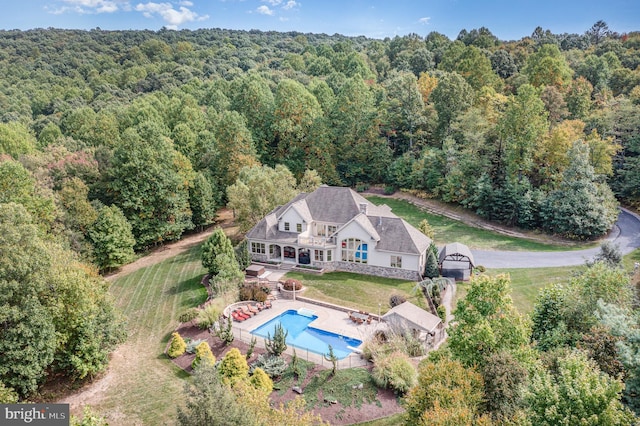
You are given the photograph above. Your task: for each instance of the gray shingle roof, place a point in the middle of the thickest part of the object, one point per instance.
(333, 204)
(414, 315)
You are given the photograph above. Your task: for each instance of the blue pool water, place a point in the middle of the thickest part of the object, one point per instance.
(305, 337)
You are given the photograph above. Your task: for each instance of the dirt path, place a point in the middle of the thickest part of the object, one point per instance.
(224, 219)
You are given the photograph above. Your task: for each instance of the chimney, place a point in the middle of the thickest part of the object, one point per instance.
(363, 208)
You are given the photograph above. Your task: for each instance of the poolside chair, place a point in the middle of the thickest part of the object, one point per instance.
(253, 309)
(237, 317)
(245, 310)
(267, 304)
(241, 314)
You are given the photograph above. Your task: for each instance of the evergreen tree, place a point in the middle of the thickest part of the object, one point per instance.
(216, 245)
(112, 238)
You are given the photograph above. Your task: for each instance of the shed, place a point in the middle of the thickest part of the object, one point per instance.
(427, 326)
(456, 261)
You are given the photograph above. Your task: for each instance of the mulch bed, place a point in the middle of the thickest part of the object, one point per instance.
(334, 414)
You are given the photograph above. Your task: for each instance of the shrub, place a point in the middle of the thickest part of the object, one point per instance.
(207, 316)
(361, 187)
(204, 356)
(189, 315)
(394, 371)
(292, 284)
(7, 395)
(388, 190)
(278, 344)
(254, 291)
(224, 330)
(274, 366)
(396, 299)
(252, 346)
(260, 380)
(233, 367)
(177, 347)
(192, 345)
(442, 312)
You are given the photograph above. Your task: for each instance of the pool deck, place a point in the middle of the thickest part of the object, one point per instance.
(328, 319)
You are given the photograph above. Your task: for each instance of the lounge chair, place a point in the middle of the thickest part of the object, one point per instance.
(237, 317)
(242, 314)
(245, 310)
(267, 304)
(253, 309)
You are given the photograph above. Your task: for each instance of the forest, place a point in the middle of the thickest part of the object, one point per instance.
(113, 142)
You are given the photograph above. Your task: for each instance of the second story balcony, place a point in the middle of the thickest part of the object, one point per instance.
(310, 241)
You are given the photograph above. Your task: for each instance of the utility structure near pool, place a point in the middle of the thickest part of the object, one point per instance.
(336, 229)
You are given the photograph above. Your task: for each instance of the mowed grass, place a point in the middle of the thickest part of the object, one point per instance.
(449, 231)
(525, 283)
(362, 292)
(145, 385)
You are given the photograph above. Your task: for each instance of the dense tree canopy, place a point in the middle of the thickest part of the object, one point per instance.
(163, 127)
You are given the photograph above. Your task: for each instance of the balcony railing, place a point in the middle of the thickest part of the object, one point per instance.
(317, 241)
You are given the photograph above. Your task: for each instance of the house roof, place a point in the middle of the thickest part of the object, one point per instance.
(340, 205)
(414, 316)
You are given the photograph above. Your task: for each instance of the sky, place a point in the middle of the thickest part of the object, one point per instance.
(507, 19)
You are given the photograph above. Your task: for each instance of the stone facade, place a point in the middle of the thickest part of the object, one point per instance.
(379, 271)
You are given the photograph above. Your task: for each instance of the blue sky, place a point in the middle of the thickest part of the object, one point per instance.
(507, 19)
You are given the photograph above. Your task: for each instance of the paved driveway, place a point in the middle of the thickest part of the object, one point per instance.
(625, 234)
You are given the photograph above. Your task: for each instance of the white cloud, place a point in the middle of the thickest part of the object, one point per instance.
(91, 6)
(424, 20)
(264, 10)
(273, 2)
(171, 16)
(290, 5)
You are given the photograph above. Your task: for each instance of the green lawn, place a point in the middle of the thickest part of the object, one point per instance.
(362, 292)
(526, 283)
(145, 385)
(449, 230)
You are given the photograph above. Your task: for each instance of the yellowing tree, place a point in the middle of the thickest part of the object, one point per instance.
(426, 84)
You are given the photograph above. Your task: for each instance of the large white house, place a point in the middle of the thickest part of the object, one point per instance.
(335, 228)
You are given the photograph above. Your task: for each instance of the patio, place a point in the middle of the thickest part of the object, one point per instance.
(333, 320)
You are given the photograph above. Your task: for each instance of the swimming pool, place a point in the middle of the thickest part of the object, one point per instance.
(304, 337)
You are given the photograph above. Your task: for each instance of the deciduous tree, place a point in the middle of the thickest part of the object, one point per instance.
(257, 191)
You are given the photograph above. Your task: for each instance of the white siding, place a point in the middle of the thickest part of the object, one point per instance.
(374, 257)
(293, 218)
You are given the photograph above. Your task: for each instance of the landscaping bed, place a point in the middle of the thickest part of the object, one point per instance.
(353, 405)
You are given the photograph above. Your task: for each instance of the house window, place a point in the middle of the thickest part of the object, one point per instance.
(329, 255)
(286, 226)
(298, 227)
(331, 229)
(396, 261)
(354, 250)
(318, 255)
(257, 248)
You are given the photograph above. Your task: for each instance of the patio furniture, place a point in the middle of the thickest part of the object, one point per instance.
(358, 317)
